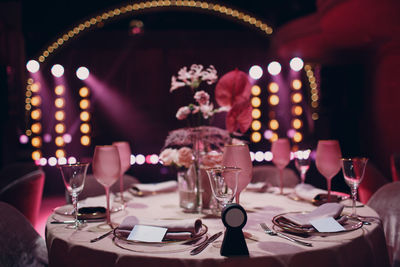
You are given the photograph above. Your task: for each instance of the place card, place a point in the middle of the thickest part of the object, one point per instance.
(327, 225)
(146, 233)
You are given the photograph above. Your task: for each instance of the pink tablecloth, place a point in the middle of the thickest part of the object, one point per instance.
(363, 247)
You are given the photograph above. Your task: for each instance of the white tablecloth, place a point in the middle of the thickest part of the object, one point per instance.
(363, 247)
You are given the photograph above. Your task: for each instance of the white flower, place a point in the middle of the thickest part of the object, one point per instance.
(175, 84)
(182, 113)
(209, 75)
(207, 110)
(169, 156)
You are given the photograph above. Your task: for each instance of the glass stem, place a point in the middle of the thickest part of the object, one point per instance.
(108, 205)
(329, 189)
(74, 198)
(354, 197)
(281, 180)
(121, 187)
(303, 177)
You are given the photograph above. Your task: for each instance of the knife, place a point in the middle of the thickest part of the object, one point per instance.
(101, 237)
(200, 248)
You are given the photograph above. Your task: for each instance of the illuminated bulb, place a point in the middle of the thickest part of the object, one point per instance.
(273, 124)
(268, 134)
(274, 137)
(59, 102)
(273, 87)
(71, 160)
(298, 137)
(296, 123)
(85, 128)
(35, 87)
(36, 155)
(47, 138)
(154, 159)
(62, 160)
(60, 153)
(296, 98)
(255, 90)
(259, 156)
(36, 141)
(57, 70)
(67, 138)
(82, 73)
(84, 92)
(36, 127)
(85, 140)
(23, 139)
(140, 159)
(59, 90)
(36, 114)
(256, 113)
(32, 66)
(43, 162)
(256, 125)
(296, 64)
(268, 156)
(133, 159)
(296, 84)
(274, 100)
(59, 141)
(256, 72)
(52, 161)
(60, 128)
(297, 110)
(256, 137)
(84, 104)
(290, 133)
(84, 116)
(255, 102)
(59, 115)
(274, 68)
(36, 101)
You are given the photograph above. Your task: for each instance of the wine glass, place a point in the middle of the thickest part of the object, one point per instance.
(106, 170)
(302, 161)
(327, 160)
(74, 179)
(353, 172)
(281, 157)
(124, 151)
(224, 183)
(238, 155)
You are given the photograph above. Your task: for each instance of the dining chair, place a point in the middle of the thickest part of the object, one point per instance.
(373, 180)
(270, 175)
(21, 185)
(385, 202)
(395, 166)
(20, 244)
(93, 188)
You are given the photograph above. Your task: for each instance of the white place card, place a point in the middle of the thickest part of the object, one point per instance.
(327, 225)
(146, 233)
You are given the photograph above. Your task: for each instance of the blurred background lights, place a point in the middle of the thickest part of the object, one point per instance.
(36, 155)
(82, 73)
(47, 138)
(154, 159)
(62, 161)
(71, 160)
(43, 162)
(59, 141)
(60, 153)
(59, 90)
(60, 128)
(290, 133)
(256, 72)
(256, 102)
(35, 87)
(273, 124)
(259, 156)
(59, 102)
(84, 116)
(255, 90)
(273, 87)
(268, 134)
(36, 127)
(296, 64)
(36, 114)
(297, 137)
(36, 141)
(23, 139)
(274, 68)
(140, 159)
(296, 84)
(85, 128)
(256, 125)
(297, 97)
(297, 110)
(84, 104)
(268, 156)
(256, 137)
(84, 92)
(256, 113)
(59, 115)
(67, 138)
(273, 100)
(85, 140)
(32, 66)
(133, 159)
(57, 70)
(36, 101)
(52, 161)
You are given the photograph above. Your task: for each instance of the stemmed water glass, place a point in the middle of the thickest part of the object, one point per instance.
(327, 160)
(238, 155)
(302, 161)
(124, 151)
(106, 169)
(281, 157)
(74, 180)
(353, 172)
(224, 183)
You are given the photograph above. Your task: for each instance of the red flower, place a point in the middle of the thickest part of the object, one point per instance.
(239, 117)
(232, 88)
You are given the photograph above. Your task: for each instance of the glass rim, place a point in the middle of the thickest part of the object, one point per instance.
(353, 158)
(73, 164)
(235, 145)
(229, 168)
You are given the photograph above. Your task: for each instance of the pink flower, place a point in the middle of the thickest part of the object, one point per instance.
(182, 113)
(202, 97)
(239, 117)
(234, 87)
(185, 157)
(207, 110)
(212, 159)
(169, 156)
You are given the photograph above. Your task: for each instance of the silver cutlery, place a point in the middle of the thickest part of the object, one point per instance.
(200, 248)
(101, 237)
(272, 233)
(66, 222)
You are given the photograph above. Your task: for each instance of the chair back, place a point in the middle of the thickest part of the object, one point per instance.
(20, 244)
(385, 202)
(21, 185)
(395, 166)
(373, 180)
(270, 175)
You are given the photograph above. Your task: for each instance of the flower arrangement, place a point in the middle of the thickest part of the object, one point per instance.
(199, 141)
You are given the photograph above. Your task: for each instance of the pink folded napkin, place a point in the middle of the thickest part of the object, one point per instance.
(150, 189)
(308, 192)
(177, 230)
(325, 210)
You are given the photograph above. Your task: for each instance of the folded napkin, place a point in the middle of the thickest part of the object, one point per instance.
(257, 187)
(308, 192)
(177, 230)
(325, 210)
(149, 189)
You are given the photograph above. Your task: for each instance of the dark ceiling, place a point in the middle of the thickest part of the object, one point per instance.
(43, 21)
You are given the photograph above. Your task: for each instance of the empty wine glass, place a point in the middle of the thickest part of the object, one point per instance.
(124, 151)
(302, 161)
(224, 183)
(281, 157)
(238, 155)
(106, 170)
(327, 160)
(353, 172)
(74, 179)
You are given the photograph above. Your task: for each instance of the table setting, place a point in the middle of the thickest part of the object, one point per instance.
(207, 216)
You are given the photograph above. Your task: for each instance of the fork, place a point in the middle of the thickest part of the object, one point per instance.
(267, 230)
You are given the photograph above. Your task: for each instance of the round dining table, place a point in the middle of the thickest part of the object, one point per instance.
(364, 246)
